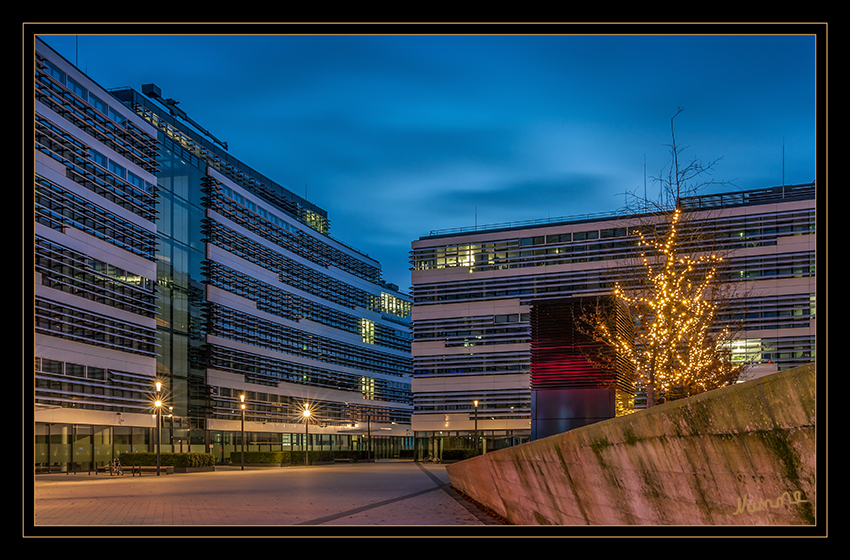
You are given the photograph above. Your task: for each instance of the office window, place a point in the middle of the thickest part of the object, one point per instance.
(584, 235)
(99, 104)
(99, 158)
(116, 116)
(117, 169)
(537, 240)
(136, 180)
(559, 238)
(75, 370)
(367, 331)
(395, 306)
(79, 90)
(54, 71)
(367, 387)
(613, 232)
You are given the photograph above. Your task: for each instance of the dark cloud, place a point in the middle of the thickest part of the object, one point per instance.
(398, 135)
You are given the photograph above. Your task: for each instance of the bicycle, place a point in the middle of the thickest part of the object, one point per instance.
(116, 468)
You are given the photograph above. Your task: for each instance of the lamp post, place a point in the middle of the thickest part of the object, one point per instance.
(242, 399)
(158, 405)
(369, 433)
(475, 406)
(306, 415)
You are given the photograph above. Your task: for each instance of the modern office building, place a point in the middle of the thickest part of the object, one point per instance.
(478, 292)
(95, 252)
(217, 281)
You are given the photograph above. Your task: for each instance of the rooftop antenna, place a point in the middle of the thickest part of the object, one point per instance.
(783, 161)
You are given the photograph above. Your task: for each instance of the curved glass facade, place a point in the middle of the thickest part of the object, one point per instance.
(205, 276)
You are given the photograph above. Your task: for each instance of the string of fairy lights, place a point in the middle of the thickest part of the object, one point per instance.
(674, 348)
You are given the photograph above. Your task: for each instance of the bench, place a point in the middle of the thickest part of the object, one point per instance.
(133, 469)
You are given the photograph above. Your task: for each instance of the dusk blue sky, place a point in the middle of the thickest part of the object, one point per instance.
(396, 136)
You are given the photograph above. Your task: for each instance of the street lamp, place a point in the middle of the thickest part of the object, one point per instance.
(158, 405)
(306, 415)
(369, 433)
(242, 398)
(475, 405)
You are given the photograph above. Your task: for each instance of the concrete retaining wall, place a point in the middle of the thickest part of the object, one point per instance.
(741, 455)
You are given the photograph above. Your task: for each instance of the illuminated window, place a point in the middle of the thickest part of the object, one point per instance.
(367, 387)
(394, 306)
(745, 351)
(367, 331)
(315, 221)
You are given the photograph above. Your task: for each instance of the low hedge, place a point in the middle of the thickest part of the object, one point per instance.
(293, 457)
(267, 457)
(357, 455)
(179, 460)
(457, 454)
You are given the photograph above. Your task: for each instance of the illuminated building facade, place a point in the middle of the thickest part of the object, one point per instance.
(476, 292)
(236, 288)
(95, 240)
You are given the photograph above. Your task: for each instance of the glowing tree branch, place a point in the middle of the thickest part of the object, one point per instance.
(675, 351)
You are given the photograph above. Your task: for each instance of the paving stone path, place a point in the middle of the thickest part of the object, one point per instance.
(403, 494)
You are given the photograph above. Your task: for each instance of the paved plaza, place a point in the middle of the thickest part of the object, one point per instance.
(404, 494)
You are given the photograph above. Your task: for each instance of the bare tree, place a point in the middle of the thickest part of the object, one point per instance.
(676, 180)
